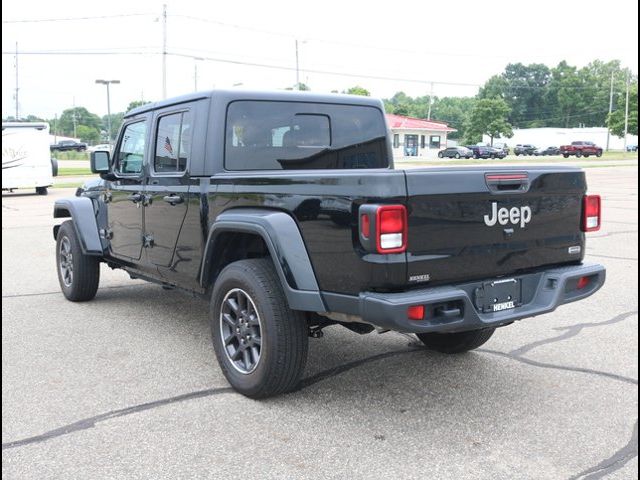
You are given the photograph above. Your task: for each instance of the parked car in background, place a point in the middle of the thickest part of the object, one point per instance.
(632, 148)
(68, 145)
(547, 151)
(524, 149)
(497, 152)
(480, 151)
(455, 152)
(102, 147)
(502, 146)
(581, 149)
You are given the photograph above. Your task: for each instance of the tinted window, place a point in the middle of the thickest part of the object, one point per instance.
(295, 135)
(132, 148)
(173, 143)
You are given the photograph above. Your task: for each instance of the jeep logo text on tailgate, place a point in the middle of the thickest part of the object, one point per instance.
(514, 215)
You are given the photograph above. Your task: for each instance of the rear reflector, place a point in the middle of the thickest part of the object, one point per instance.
(582, 283)
(415, 312)
(591, 213)
(365, 226)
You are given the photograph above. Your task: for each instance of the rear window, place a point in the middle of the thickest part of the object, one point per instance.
(263, 135)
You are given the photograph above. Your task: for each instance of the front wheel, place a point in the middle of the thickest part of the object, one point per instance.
(261, 344)
(599, 153)
(459, 342)
(78, 274)
(440, 155)
(565, 155)
(578, 154)
(457, 156)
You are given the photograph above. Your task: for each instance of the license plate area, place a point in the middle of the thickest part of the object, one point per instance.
(499, 295)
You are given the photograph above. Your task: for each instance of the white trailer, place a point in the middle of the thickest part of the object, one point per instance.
(26, 157)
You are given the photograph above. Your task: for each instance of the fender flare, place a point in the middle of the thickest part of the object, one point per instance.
(80, 209)
(286, 246)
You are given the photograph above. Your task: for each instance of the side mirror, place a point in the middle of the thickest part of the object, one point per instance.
(100, 162)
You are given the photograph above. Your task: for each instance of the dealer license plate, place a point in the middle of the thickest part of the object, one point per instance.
(499, 295)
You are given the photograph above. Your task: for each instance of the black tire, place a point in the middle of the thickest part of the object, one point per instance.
(82, 284)
(54, 167)
(42, 190)
(459, 342)
(599, 153)
(440, 155)
(282, 352)
(578, 154)
(457, 155)
(565, 155)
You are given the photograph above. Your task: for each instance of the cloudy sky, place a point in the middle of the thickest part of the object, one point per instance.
(384, 47)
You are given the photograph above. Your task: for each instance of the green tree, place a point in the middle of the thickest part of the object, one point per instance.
(454, 111)
(616, 119)
(82, 117)
(488, 117)
(358, 90)
(116, 121)
(136, 104)
(87, 134)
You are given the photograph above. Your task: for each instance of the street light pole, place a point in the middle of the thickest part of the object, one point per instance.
(610, 110)
(107, 83)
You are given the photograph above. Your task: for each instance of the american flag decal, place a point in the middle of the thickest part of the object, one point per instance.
(167, 145)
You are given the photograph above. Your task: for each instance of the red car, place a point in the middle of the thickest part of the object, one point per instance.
(580, 149)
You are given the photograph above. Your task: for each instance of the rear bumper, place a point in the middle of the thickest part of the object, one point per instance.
(542, 292)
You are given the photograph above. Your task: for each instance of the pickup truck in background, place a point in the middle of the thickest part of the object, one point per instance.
(68, 145)
(284, 209)
(580, 149)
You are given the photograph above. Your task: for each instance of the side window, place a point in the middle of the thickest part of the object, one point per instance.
(132, 148)
(173, 143)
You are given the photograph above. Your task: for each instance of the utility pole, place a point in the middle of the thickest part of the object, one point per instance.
(74, 118)
(297, 68)
(610, 110)
(17, 89)
(164, 51)
(430, 102)
(626, 116)
(55, 129)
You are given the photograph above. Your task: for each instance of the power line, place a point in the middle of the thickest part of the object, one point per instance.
(71, 19)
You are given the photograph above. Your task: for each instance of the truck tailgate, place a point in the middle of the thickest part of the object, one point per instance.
(481, 222)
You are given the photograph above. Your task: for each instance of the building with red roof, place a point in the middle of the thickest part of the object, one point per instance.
(417, 137)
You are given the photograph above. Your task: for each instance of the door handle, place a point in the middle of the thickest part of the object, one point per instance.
(135, 197)
(173, 199)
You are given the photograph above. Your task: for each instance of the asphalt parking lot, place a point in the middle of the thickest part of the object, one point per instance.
(127, 386)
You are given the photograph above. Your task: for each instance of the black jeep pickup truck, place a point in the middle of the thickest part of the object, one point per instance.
(284, 209)
(68, 145)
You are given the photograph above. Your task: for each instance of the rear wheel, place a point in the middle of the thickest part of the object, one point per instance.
(599, 153)
(459, 342)
(440, 155)
(42, 190)
(578, 154)
(565, 155)
(261, 344)
(78, 274)
(457, 155)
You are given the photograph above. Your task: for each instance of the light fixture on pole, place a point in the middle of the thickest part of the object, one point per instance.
(107, 83)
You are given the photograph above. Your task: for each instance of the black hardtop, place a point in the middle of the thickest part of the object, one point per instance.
(228, 96)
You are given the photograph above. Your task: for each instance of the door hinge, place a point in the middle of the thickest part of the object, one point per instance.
(147, 241)
(106, 233)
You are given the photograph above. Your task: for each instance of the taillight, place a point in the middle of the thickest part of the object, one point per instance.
(415, 312)
(383, 228)
(391, 229)
(591, 213)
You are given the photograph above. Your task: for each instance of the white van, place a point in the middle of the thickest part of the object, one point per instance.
(26, 157)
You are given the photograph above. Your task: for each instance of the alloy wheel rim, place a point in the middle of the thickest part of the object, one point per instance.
(241, 331)
(66, 261)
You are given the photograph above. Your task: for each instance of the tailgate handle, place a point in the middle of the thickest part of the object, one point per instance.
(507, 182)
